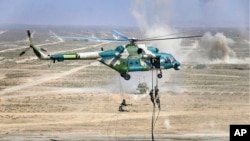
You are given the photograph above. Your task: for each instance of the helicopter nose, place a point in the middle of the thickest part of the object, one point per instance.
(177, 65)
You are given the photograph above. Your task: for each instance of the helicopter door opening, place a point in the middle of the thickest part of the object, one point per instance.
(157, 63)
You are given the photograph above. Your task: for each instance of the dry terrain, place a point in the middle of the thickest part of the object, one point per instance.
(79, 100)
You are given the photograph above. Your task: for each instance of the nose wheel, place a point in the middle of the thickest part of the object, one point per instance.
(160, 74)
(125, 76)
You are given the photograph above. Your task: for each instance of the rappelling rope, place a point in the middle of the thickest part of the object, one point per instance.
(153, 102)
(115, 115)
(155, 99)
(159, 109)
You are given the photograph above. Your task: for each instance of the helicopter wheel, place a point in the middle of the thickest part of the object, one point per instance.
(125, 76)
(159, 75)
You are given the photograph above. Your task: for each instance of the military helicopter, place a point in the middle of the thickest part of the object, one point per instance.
(123, 59)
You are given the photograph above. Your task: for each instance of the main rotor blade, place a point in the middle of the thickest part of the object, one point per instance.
(30, 44)
(171, 34)
(169, 38)
(120, 38)
(89, 39)
(120, 35)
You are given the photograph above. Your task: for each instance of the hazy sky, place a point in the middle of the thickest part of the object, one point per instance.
(125, 12)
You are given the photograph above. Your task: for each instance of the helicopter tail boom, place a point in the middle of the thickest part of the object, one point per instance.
(59, 57)
(75, 56)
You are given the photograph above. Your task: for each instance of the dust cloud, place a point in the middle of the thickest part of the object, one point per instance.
(217, 47)
(118, 84)
(214, 49)
(167, 123)
(171, 81)
(155, 21)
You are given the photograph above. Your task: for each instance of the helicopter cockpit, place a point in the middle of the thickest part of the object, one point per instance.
(168, 59)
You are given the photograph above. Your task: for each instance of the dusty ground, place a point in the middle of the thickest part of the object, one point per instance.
(79, 101)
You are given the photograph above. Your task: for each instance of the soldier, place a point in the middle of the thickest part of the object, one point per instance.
(122, 104)
(152, 96)
(157, 97)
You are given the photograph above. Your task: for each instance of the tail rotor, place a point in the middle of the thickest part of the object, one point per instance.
(30, 44)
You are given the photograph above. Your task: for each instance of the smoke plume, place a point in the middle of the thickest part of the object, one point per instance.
(217, 47)
(155, 18)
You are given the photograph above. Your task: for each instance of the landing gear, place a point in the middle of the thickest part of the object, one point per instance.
(156, 63)
(160, 74)
(125, 76)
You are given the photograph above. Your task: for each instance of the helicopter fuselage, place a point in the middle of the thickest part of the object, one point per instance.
(123, 59)
(127, 58)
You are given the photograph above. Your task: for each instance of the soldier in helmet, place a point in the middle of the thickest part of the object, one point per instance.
(122, 105)
(151, 93)
(157, 97)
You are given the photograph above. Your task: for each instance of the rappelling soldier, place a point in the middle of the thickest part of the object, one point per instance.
(151, 93)
(157, 97)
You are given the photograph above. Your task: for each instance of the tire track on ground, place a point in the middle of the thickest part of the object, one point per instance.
(41, 80)
(44, 79)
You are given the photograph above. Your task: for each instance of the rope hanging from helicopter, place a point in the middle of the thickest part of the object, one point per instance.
(151, 93)
(116, 115)
(157, 100)
(154, 97)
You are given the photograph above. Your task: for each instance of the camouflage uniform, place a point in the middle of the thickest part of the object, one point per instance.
(152, 96)
(122, 104)
(157, 97)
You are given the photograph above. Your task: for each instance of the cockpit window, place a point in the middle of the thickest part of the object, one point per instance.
(169, 59)
(172, 59)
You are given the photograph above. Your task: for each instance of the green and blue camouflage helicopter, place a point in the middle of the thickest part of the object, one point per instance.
(124, 58)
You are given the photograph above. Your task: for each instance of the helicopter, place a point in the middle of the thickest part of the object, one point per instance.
(126, 58)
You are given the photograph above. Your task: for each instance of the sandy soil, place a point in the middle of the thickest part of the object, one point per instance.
(74, 101)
